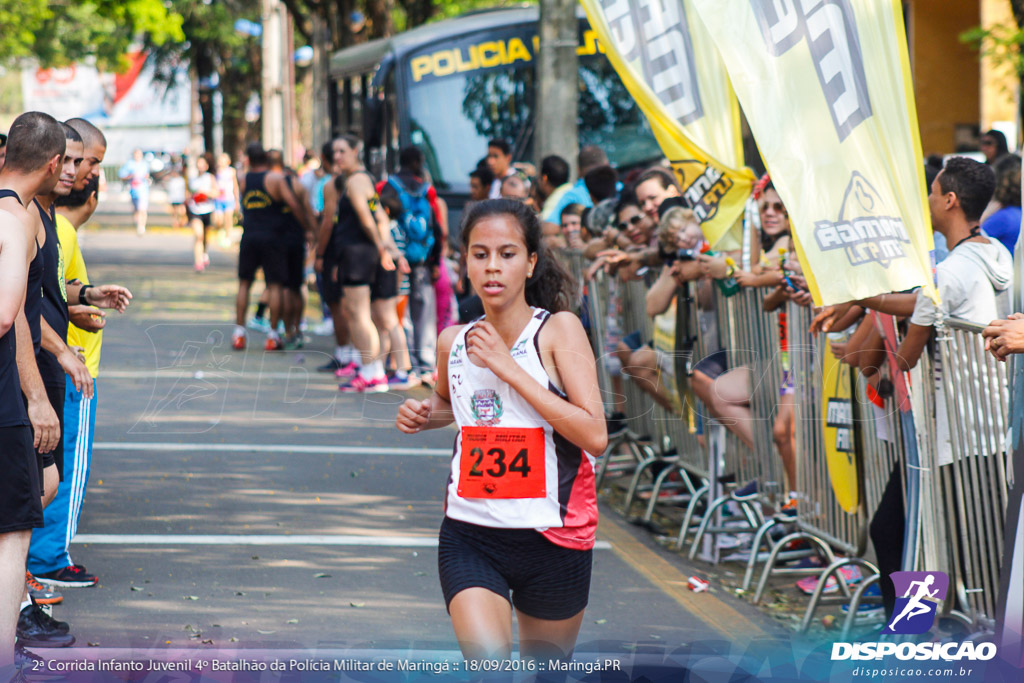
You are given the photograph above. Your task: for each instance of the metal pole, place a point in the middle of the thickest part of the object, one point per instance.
(272, 105)
(557, 81)
(320, 67)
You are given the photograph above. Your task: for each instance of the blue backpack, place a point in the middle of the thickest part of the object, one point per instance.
(415, 222)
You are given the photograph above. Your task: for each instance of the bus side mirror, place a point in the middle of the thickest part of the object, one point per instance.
(373, 122)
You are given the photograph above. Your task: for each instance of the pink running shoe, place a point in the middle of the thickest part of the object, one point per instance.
(347, 372)
(358, 385)
(850, 572)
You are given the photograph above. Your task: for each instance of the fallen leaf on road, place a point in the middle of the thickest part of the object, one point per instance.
(137, 588)
(208, 641)
(601, 621)
(191, 597)
(358, 604)
(292, 621)
(266, 633)
(97, 644)
(232, 639)
(321, 576)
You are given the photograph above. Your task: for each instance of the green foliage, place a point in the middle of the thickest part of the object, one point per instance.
(1000, 43)
(60, 33)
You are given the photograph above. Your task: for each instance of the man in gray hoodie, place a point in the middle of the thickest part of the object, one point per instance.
(975, 278)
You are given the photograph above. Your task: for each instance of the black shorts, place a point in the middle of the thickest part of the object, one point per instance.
(330, 282)
(713, 365)
(205, 218)
(546, 581)
(22, 483)
(296, 264)
(266, 251)
(384, 285)
(357, 264)
(55, 393)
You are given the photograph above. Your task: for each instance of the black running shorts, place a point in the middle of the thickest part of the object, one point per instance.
(357, 264)
(384, 285)
(546, 581)
(296, 263)
(21, 483)
(266, 251)
(55, 393)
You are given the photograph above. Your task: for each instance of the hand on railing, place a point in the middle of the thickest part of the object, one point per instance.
(1003, 337)
(827, 317)
(714, 267)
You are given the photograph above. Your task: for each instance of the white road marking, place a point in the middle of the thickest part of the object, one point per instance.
(257, 539)
(167, 446)
(190, 373)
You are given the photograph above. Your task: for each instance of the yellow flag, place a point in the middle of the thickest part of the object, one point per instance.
(671, 68)
(827, 91)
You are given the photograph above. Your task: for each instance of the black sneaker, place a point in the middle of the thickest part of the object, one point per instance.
(330, 366)
(74, 576)
(23, 659)
(36, 628)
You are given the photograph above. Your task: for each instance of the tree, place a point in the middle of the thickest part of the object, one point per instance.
(217, 54)
(1003, 45)
(57, 34)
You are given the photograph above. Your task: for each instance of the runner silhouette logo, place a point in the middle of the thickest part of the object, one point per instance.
(917, 596)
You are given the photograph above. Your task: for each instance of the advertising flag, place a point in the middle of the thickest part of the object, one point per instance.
(670, 66)
(826, 88)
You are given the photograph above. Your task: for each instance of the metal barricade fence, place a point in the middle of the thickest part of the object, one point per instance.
(751, 340)
(976, 474)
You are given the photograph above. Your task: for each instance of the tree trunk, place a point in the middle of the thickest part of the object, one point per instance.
(557, 82)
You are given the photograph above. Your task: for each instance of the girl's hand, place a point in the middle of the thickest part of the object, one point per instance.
(486, 349)
(412, 415)
(714, 267)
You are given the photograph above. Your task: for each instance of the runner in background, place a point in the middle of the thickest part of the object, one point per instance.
(136, 174)
(510, 539)
(202, 190)
(227, 199)
(175, 184)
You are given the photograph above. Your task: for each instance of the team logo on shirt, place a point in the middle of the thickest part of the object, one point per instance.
(486, 407)
(519, 349)
(453, 358)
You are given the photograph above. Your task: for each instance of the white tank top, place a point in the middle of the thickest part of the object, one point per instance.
(513, 451)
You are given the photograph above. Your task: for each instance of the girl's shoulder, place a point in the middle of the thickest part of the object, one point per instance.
(448, 336)
(562, 330)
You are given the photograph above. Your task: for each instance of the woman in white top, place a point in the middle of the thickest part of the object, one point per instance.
(227, 196)
(521, 505)
(202, 192)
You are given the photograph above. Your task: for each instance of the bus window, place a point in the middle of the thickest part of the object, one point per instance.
(608, 116)
(452, 118)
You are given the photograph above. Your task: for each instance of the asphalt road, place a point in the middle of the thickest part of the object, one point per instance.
(239, 501)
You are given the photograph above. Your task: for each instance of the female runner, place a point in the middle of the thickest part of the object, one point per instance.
(521, 506)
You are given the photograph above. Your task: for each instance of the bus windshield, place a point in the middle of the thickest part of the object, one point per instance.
(458, 101)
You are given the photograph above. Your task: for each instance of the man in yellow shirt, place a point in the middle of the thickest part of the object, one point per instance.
(50, 545)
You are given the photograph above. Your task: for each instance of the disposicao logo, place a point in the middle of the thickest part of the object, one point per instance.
(914, 612)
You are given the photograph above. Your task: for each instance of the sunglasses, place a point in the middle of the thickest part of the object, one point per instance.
(635, 220)
(778, 207)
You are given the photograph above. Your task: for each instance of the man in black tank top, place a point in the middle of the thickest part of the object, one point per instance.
(35, 153)
(294, 237)
(265, 196)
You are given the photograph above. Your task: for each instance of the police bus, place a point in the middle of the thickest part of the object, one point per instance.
(450, 86)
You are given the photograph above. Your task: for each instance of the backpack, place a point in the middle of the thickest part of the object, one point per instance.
(415, 223)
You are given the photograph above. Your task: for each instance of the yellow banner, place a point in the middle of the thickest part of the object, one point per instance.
(671, 68)
(827, 91)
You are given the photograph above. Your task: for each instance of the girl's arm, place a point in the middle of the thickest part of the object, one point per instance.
(659, 296)
(580, 419)
(415, 416)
